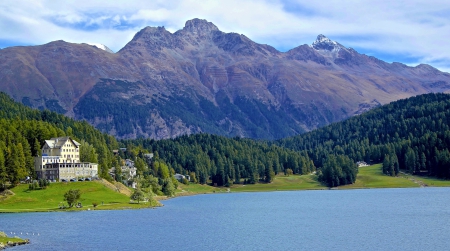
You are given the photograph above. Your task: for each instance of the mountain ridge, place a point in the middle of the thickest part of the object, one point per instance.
(200, 79)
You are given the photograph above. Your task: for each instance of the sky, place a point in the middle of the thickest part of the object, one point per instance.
(411, 32)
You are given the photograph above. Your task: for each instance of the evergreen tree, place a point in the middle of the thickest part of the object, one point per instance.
(269, 174)
(3, 173)
(396, 164)
(410, 160)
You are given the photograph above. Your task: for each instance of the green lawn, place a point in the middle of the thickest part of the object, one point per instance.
(280, 183)
(372, 177)
(51, 198)
(283, 183)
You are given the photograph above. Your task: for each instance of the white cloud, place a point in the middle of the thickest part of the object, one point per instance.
(411, 29)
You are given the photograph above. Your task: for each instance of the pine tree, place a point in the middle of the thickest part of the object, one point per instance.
(394, 159)
(269, 174)
(386, 164)
(3, 173)
(410, 160)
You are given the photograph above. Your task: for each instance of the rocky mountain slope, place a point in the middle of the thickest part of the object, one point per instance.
(199, 79)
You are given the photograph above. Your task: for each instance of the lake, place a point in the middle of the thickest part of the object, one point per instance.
(366, 219)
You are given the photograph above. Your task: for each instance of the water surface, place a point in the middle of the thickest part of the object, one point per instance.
(368, 219)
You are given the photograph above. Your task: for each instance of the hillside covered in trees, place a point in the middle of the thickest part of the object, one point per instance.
(411, 135)
(204, 157)
(226, 161)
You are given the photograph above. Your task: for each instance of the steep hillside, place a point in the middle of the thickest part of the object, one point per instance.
(200, 79)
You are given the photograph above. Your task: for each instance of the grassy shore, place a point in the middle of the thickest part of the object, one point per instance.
(110, 197)
(373, 177)
(52, 198)
(368, 177)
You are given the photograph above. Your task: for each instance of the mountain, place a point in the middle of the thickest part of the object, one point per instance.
(200, 79)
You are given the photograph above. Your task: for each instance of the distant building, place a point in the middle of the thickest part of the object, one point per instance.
(127, 172)
(60, 159)
(129, 163)
(180, 177)
(361, 163)
(148, 155)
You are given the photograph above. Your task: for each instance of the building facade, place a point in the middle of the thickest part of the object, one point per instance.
(60, 160)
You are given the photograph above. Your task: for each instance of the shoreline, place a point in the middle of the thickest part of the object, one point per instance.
(187, 194)
(368, 178)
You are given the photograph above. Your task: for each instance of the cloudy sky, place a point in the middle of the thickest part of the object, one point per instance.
(411, 32)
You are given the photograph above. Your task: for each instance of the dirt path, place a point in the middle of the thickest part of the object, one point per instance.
(419, 182)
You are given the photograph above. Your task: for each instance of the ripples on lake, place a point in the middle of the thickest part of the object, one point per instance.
(371, 219)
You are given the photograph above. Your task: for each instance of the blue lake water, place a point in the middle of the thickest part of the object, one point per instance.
(367, 219)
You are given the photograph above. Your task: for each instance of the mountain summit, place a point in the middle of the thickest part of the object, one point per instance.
(324, 43)
(200, 79)
(199, 26)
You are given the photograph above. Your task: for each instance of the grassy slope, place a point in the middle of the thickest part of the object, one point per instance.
(49, 199)
(281, 182)
(372, 177)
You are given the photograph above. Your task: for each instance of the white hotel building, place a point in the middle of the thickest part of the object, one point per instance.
(60, 159)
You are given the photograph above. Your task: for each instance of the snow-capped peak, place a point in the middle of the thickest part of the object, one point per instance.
(101, 46)
(324, 43)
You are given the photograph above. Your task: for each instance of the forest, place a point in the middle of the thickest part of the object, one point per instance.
(410, 135)
(225, 161)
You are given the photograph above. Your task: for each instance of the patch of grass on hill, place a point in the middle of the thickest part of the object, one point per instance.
(280, 183)
(50, 199)
(373, 177)
(283, 183)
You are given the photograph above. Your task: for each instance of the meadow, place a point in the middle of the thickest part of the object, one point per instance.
(52, 198)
